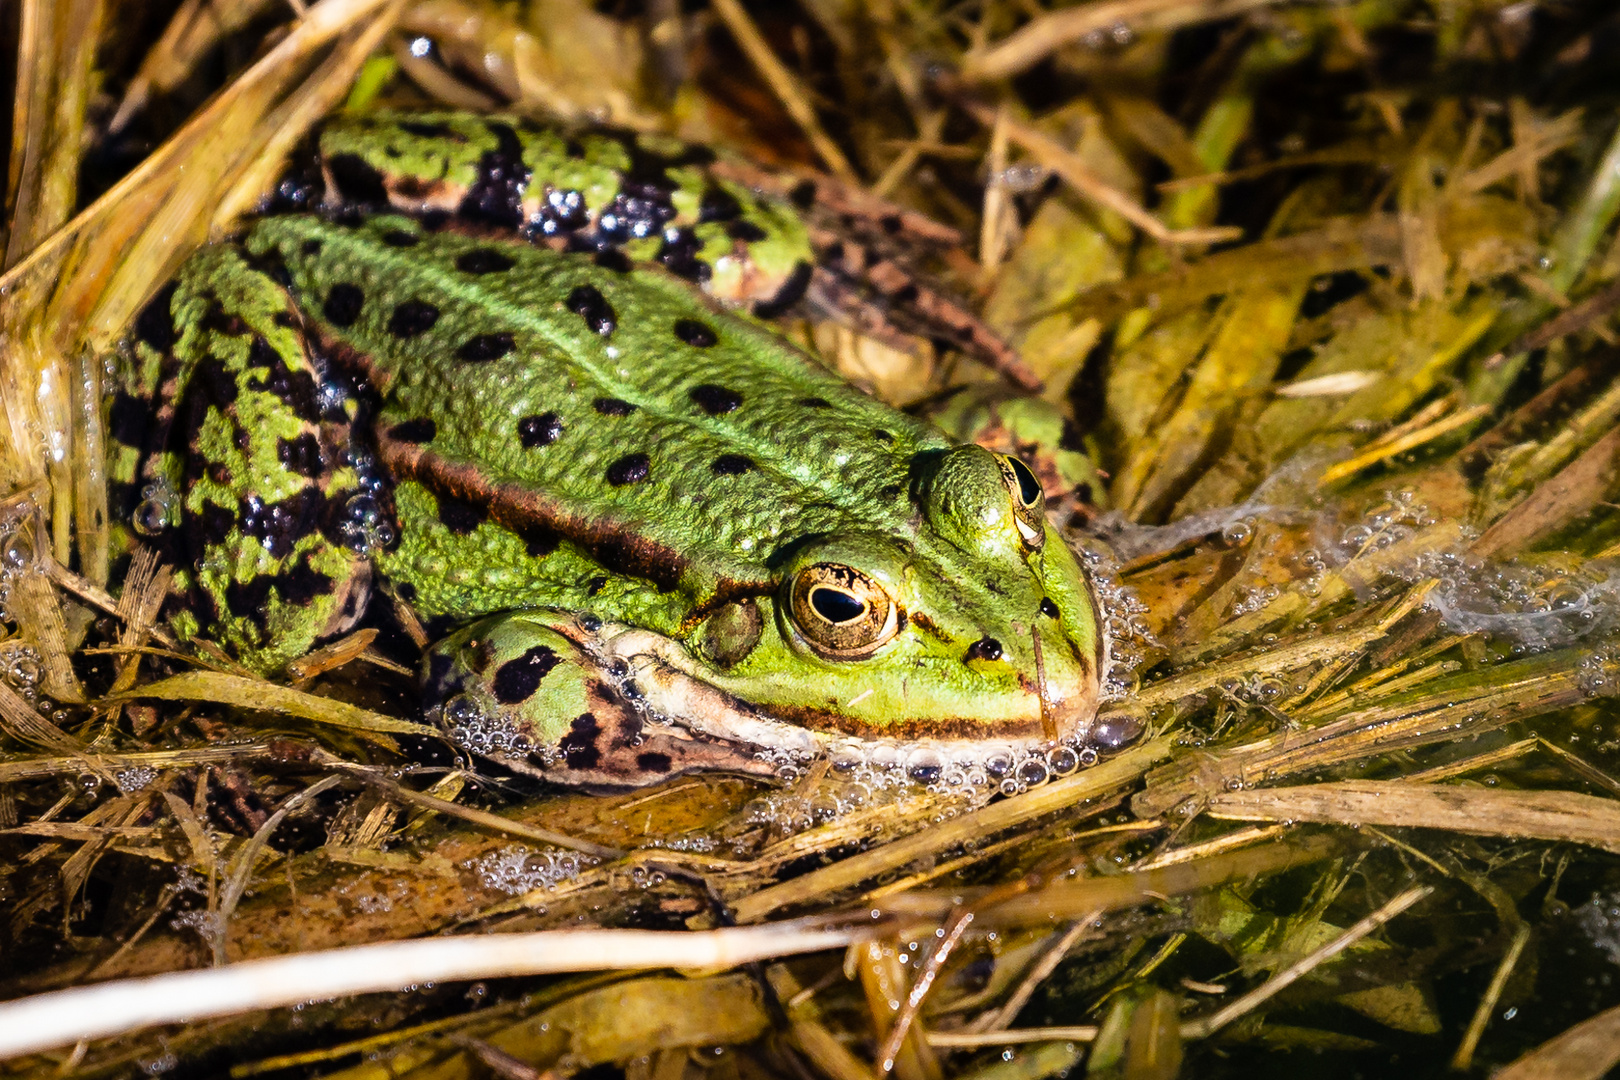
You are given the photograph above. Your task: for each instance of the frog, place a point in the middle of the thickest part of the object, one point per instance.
(650, 535)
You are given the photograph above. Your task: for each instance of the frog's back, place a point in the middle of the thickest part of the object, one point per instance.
(579, 402)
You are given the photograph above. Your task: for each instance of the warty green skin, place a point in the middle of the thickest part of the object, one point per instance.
(614, 504)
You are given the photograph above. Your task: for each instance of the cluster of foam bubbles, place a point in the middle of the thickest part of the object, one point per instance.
(1399, 516)
(1598, 674)
(16, 557)
(1599, 920)
(21, 669)
(200, 920)
(366, 527)
(1127, 635)
(134, 778)
(476, 731)
(518, 869)
(1534, 607)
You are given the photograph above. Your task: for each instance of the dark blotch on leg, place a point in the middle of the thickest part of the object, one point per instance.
(343, 304)
(541, 430)
(579, 745)
(486, 347)
(415, 431)
(413, 318)
(155, 325)
(517, 680)
(483, 261)
(127, 418)
(696, 334)
(301, 455)
(356, 181)
(791, 292)
(399, 238)
(651, 761)
(732, 465)
(630, 469)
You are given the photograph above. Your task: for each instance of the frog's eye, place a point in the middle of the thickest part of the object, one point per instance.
(842, 613)
(1029, 501)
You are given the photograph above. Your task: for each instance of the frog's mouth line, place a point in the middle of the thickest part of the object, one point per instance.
(668, 690)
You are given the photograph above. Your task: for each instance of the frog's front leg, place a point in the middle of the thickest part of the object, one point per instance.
(252, 488)
(523, 688)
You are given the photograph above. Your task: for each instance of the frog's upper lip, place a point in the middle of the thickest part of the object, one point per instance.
(1070, 707)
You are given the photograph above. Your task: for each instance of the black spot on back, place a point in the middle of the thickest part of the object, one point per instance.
(412, 318)
(732, 465)
(517, 680)
(484, 261)
(399, 238)
(486, 347)
(630, 469)
(612, 406)
(343, 303)
(815, 403)
(425, 130)
(415, 431)
(613, 259)
(458, 515)
(541, 430)
(696, 334)
(588, 303)
(310, 247)
(714, 399)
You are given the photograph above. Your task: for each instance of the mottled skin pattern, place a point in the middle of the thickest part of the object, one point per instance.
(638, 505)
(650, 199)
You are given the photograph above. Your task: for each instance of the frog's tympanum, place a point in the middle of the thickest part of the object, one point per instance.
(496, 377)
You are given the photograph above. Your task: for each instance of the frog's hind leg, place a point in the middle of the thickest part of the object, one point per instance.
(247, 484)
(524, 689)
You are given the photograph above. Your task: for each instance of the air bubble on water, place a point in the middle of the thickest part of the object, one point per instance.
(470, 728)
(134, 778)
(21, 666)
(156, 508)
(517, 869)
(365, 527)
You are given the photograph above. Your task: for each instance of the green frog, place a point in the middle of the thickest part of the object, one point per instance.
(521, 383)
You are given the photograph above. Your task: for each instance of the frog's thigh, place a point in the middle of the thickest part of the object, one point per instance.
(513, 688)
(261, 464)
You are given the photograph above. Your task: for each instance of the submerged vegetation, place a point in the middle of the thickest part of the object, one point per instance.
(1326, 291)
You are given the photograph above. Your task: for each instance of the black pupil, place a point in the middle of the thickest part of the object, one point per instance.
(1029, 488)
(835, 605)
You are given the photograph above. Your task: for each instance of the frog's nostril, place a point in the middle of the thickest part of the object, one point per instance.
(1049, 609)
(986, 648)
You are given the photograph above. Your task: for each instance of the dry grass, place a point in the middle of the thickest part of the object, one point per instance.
(1328, 290)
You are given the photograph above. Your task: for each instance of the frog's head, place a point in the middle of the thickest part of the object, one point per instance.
(971, 624)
